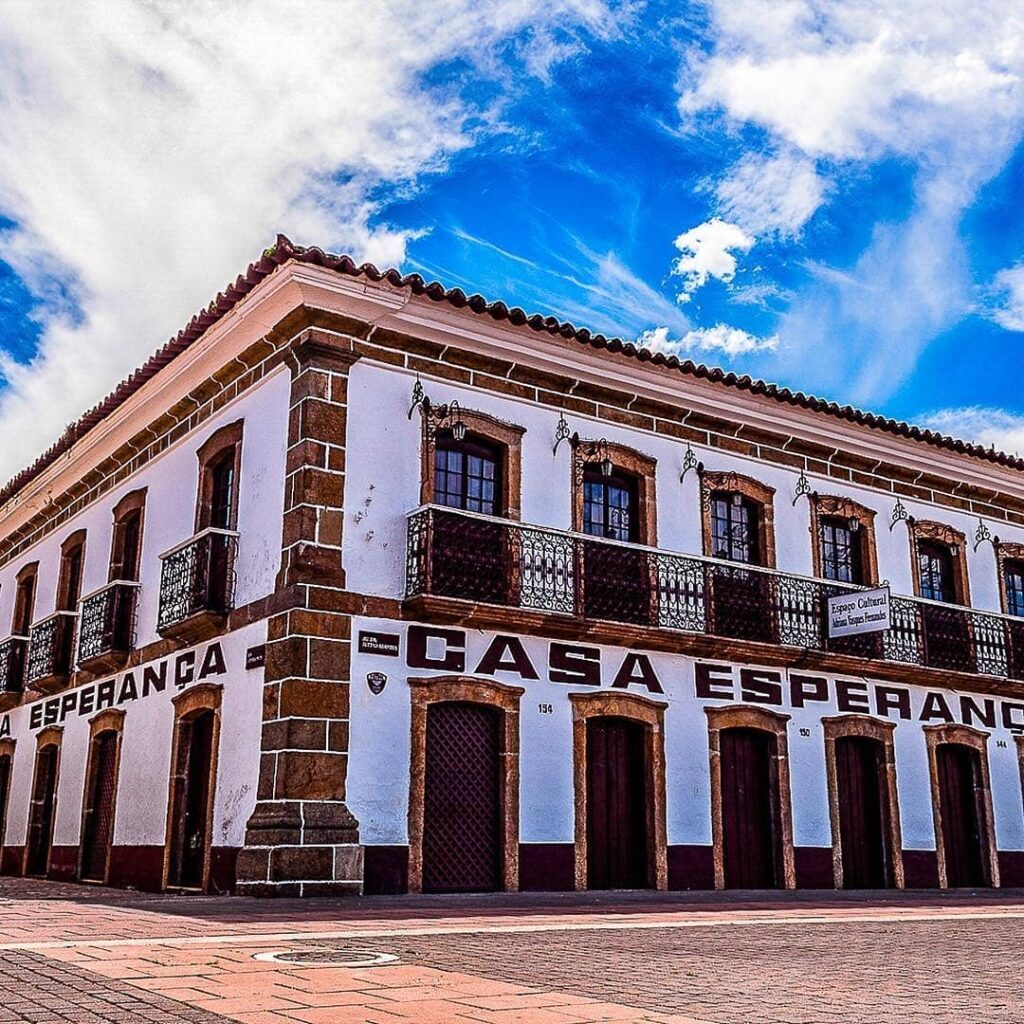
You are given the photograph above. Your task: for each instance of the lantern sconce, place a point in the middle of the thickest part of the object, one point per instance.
(586, 452)
(982, 534)
(899, 514)
(437, 418)
(803, 488)
(562, 432)
(690, 461)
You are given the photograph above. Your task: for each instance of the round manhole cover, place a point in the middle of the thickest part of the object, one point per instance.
(335, 956)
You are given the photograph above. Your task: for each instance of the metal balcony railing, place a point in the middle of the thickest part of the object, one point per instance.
(107, 621)
(496, 561)
(197, 577)
(13, 657)
(51, 647)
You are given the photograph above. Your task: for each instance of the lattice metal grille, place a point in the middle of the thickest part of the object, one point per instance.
(12, 665)
(453, 554)
(461, 807)
(197, 577)
(49, 652)
(107, 621)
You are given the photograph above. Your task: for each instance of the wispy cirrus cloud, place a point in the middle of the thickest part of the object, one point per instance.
(148, 152)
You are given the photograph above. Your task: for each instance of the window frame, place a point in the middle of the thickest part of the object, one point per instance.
(627, 462)
(222, 444)
(926, 531)
(833, 506)
(761, 494)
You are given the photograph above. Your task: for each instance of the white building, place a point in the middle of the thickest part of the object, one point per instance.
(361, 584)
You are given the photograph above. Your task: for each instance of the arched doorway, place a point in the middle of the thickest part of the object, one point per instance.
(619, 788)
(964, 842)
(867, 846)
(462, 848)
(962, 806)
(750, 810)
(43, 810)
(192, 789)
(863, 813)
(617, 805)
(751, 814)
(98, 812)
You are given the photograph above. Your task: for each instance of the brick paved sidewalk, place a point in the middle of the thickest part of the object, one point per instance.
(916, 958)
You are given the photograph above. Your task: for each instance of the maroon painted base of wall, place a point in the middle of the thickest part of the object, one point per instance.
(385, 870)
(920, 869)
(691, 867)
(222, 869)
(813, 867)
(63, 863)
(547, 867)
(1011, 869)
(136, 867)
(12, 860)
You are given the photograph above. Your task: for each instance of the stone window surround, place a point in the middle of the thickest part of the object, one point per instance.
(190, 702)
(650, 714)
(110, 720)
(864, 726)
(70, 543)
(52, 736)
(739, 716)
(926, 529)
(424, 692)
(966, 736)
(220, 441)
(1006, 552)
(131, 502)
(637, 465)
(827, 506)
(507, 436)
(755, 491)
(25, 573)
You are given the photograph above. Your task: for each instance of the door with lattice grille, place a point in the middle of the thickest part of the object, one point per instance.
(98, 824)
(41, 813)
(462, 799)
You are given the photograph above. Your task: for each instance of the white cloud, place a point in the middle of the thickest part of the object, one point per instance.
(1008, 294)
(730, 341)
(938, 85)
(989, 427)
(773, 193)
(149, 151)
(707, 252)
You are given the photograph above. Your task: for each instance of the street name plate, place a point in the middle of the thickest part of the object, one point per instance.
(862, 611)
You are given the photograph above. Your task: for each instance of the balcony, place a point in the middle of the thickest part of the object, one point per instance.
(50, 652)
(197, 585)
(563, 578)
(13, 656)
(106, 633)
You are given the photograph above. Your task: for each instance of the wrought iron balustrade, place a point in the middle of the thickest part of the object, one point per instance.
(51, 647)
(107, 621)
(13, 658)
(495, 561)
(197, 577)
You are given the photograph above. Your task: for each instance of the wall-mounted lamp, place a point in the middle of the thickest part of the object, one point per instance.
(899, 514)
(437, 418)
(588, 452)
(853, 524)
(562, 432)
(982, 534)
(803, 488)
(690, 461)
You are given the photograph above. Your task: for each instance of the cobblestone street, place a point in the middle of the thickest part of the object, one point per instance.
(70, 953)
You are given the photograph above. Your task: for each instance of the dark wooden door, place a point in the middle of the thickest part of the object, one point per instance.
(462, 812)
(190, 815)
(617, 802)
(964, 839)
(750, 811)
(5, 790)
(41, 812)
(98, 820)
(863, 812)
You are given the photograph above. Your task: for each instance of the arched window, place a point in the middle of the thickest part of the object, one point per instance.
(735, 527)
(69, 583)
(468, 474)
(24, 600)
(218, 479)
(610, 504)
(843, 536)
(126, 544)
(841, 550)
(935, 566)
(1013, 572)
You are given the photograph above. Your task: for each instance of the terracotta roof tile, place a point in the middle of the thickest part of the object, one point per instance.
(283, 250)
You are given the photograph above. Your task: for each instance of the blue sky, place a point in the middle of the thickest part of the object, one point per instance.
(826, 195)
